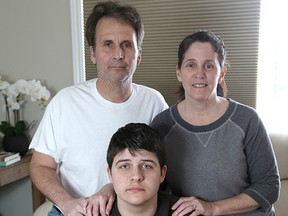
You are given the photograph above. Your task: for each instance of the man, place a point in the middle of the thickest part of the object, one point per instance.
(136, 168)
(71, 141)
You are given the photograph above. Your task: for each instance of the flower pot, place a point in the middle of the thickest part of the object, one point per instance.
(16, 144)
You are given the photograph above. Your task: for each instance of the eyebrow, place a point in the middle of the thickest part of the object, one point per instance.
(111, 40)
(127, 160)
(121, 161)
(192, 59)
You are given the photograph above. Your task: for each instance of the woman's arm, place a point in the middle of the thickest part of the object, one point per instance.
(238, 204)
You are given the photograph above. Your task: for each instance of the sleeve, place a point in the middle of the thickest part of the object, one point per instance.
(262, 165)
(44, 139)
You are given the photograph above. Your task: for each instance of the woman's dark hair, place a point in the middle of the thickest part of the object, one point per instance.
(136, 137)
(113, 9)
(202, 36)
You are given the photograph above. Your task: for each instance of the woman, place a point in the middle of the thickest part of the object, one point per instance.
(219, 156)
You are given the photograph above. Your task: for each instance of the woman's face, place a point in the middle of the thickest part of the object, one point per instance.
(200, 72)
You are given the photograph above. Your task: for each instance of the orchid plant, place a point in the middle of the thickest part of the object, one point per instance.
(14, 96)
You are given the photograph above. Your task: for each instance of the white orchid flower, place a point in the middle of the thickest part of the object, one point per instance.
(4, 85)
(14, 94)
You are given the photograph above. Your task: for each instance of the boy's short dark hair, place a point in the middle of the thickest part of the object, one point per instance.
(113, 9)
(136, 137)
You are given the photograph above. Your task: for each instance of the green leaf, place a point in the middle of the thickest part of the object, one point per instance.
(6, 129)
(20, 128)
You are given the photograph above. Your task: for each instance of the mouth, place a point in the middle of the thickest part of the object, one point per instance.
(135, 189)
(199, 85)
(117, 67)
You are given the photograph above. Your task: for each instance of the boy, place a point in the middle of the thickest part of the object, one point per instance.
(136, 168)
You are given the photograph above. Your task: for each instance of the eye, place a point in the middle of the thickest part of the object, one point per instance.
(108, 43)
(191, 65)
(124, 166)
(126, 45)
(208, 66)
(147, 166)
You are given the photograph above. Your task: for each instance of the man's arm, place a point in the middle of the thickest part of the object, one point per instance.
(44, 176)
(101, 203)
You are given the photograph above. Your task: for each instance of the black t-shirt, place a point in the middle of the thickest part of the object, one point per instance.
(165, 202)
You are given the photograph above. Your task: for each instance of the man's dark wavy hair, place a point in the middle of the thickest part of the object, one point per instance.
(114, 9)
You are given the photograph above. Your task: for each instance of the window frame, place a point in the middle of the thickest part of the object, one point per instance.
(76, 12)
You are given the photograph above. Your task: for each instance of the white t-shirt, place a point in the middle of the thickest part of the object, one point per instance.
(77, 126)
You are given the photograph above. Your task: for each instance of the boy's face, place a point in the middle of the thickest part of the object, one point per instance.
(136, 179)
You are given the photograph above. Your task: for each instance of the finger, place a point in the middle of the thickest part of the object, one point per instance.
(110, 205)
(101, 207)
(185, 208)
(178, 203)
(81, 207)
(193, 207)
(89, 209)
(94, 209)
(188, 209)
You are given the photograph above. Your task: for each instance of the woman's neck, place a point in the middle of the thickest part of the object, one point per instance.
(202, 113)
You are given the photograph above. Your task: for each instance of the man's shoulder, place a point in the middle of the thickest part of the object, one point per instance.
(149, 95)
(142, 88)
(81, 85)
(77, 89)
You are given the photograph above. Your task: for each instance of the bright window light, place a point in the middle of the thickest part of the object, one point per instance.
(272, 89)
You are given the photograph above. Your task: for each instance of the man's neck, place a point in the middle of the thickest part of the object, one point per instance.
(115, 92)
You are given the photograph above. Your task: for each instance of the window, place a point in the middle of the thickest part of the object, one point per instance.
(272, 90)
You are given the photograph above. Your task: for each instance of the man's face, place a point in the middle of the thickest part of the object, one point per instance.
(116, 52)
(136, 179)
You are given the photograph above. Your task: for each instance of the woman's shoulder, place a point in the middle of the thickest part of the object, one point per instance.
(242, 108)
(164, 115)
(244, 115)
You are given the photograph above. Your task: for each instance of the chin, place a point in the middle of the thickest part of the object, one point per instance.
(137, 200)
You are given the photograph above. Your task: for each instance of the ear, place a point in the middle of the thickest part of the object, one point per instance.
(163, 173)
(109, 174)
(178, 74)
(222, 75)
(139, 56)
(92, 55)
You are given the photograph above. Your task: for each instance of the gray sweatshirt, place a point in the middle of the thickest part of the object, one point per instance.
(232, 155)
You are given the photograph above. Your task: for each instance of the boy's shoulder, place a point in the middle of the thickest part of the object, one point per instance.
(165, 202)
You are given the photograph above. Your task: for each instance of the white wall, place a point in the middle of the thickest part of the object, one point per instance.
(35, 43)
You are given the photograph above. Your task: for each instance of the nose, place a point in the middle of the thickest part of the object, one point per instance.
(118, 54)
(199, 73)
(137, 175)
